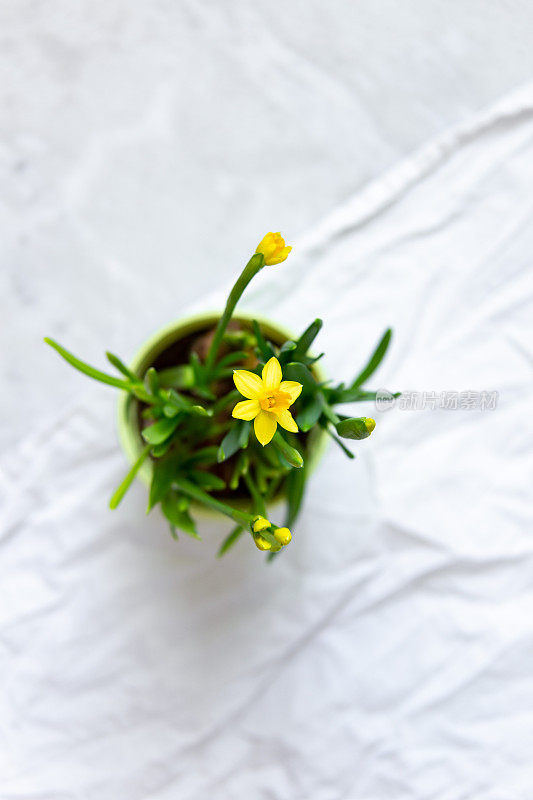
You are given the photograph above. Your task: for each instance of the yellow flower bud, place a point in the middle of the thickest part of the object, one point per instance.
(283, 535)
(370, 424)
(260, 524)
(262, 543)
(272, 246)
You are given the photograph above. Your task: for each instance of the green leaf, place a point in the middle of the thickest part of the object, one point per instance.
(264, 348)
(232, 358)
(207, 480)
(91, 372)
(295, 371)
(374, 361)
(178, 400)
(306, 339)
(241, 468)
(293, 456)
(128, 480)
(160, 431)
(172, 510)
(327, 410)
(152, 380)
(286, 351)
(310, 414)
(159, 450)
(230, 540)
(294, 489)
(163, 474)
(235, 439)
(205, 455)
(200, 411)
(310, 360)
(354, 395)
(116, 362)
(180, 377)
(173, 532)
(170, 411)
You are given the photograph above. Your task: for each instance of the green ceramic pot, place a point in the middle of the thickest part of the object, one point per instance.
(128, 425)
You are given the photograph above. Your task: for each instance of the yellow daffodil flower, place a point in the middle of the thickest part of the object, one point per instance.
(272, 246)
(268, 400)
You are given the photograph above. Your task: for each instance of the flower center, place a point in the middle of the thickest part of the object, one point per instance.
(267, 403)
(276, 401)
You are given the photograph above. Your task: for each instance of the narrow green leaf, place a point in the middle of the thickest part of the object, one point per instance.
(235, 439)
(327, 410)
(241, 468)
(159, 431)
(291, 455)
(294, 489)
(128, 480)
(306, 339)
(173, 532)
(341, 444)
(118, 364)
(152, 380)
(170, 506)
(207, 480)
(354, 396)
(208, 500)
(200, 411)
(159, 450)
(286, 352)
(264, 348)
(164, 471)
(91, 372)
(295, 371)
(232, 358)
(310, 414)
(205, 455)
(170, 411)
(180, 377)
(230, 540)
(374, 361)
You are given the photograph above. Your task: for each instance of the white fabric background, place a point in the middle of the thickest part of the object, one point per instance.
(145, 148)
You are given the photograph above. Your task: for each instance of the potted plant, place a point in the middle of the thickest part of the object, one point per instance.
(229, 413)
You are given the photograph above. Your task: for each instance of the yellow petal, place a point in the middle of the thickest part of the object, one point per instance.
(279, 256)
(271, 374)
(292, 388)
(265, 427)
(286, 420)
(247, 409)
(247, 383)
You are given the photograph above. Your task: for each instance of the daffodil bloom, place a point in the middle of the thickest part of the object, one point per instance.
(272, 246)
(268, 400)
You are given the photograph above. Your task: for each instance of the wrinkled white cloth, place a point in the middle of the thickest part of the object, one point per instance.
(387, 653)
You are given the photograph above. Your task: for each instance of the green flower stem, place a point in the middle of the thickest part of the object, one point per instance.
(256, 263)
(211, 502)
(259, 505)
(328, 411)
